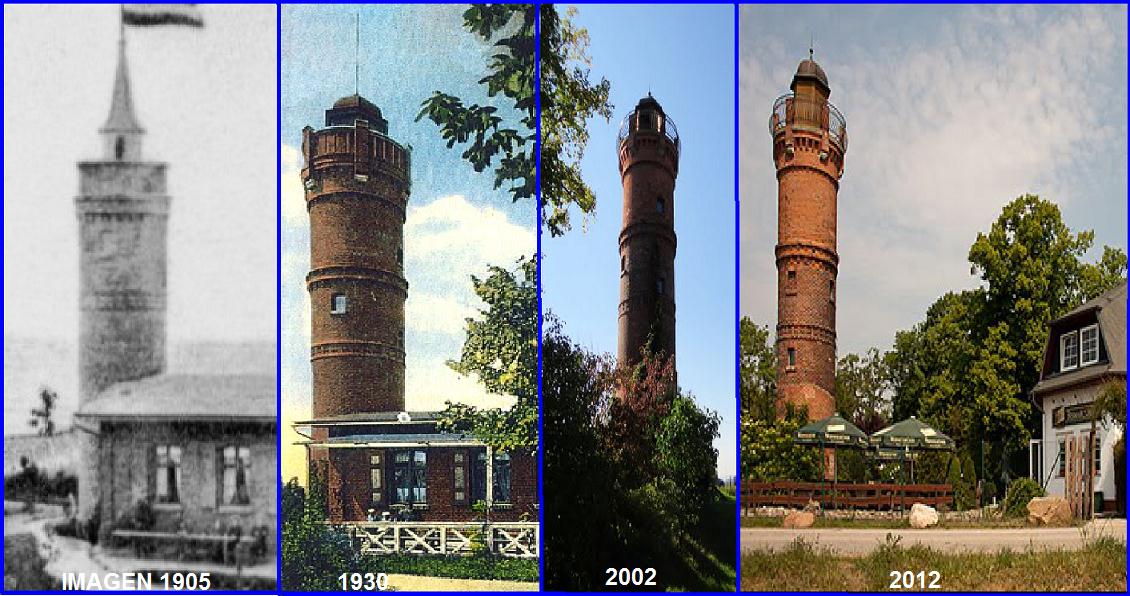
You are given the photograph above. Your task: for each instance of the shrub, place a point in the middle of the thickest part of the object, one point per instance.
(1016, 498)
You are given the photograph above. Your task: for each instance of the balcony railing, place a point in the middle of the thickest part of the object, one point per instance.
(505, 539)
(809, 112)
(632, 123)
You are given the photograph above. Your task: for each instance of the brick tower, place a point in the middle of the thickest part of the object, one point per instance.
(357, 185)
(649, 163)
(809, 142)
(122, 212)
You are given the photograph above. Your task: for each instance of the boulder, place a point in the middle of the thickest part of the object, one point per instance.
(798, 519)
(1049, 511)
(922, 516)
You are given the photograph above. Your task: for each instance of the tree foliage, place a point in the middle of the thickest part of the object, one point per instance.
(568, 99)
(769, 453)
(861, 390)
(489, 139)
(969, 367)
(501, 350)
(629, 464)
(42, 418)
(757, 371)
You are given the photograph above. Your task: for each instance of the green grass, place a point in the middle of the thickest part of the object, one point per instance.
(471, 567)
(891, 524)
(24, 569)
(705, 561)
(1099, 566)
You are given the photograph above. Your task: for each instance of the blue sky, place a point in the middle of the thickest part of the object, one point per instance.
(685, 56)
(457, 224)
(952, 112)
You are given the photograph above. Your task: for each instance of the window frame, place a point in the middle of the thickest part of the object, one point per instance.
(790, 358)
(478, 489)
(237, 465)
(334, 310)
(413, 470)
(1063, 337)
(1061, 457)
(165, 460)
(1082, 350)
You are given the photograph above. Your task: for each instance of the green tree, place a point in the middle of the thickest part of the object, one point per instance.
(769, 453)
(568, 99)
(488, 137)
(861, 386)
(42, 418)
(501, 350)
(757, 372)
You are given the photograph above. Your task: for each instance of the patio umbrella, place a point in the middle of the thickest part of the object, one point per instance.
(906, 436)
(834, 432)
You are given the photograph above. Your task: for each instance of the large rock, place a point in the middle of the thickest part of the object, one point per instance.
(798, 519)
(1049, 511)
(922, 516)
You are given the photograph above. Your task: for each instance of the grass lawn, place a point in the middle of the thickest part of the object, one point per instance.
(891, 524)
(473, 567)
(705, 562)
(1101, 566)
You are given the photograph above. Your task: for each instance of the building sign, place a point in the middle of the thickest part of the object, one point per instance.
(1076, 414)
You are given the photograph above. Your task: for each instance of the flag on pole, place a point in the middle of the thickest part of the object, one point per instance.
(148, 15)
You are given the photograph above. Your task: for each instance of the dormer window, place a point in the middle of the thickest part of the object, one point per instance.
(339, 304)
(1089, 345)
(1068, 351)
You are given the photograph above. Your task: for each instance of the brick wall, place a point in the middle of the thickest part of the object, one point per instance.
(127, 469)
(357, 187)
(648, 168)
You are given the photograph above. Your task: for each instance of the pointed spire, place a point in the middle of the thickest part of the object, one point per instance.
(122, 117)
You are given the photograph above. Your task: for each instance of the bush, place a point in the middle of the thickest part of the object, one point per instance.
(1016, 498)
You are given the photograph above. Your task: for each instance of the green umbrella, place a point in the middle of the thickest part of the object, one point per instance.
(912, 434)
(906, 436)
(832, 431)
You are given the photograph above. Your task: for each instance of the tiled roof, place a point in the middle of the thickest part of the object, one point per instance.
(188, 397)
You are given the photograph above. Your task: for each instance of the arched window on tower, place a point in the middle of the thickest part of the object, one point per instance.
(119, 148)
(792, 357)
(623, 264)
(660, 285)
(660, 205)
(832, 290)
(400, 256)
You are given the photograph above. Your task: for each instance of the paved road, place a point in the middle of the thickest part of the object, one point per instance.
(860, 542)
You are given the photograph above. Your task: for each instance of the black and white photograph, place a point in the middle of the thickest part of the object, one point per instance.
(140, 297)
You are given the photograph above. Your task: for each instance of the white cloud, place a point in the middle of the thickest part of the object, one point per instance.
(452, 226)
(426, 312)
(430, 383)
(293, 206)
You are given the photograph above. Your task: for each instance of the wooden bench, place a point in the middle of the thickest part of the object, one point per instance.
(187, 543)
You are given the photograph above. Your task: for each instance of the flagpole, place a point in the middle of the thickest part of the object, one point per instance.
(357, 54)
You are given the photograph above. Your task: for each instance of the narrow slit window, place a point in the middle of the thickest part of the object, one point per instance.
(660, 205)
(792, 357)
(660, 286)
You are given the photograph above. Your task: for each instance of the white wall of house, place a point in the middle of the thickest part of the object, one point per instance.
(1108, 431)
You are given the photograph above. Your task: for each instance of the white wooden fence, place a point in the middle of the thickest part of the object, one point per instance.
(507, 539)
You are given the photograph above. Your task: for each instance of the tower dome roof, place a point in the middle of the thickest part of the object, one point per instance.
(810, 70)
(649, 103)
(351, 108)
